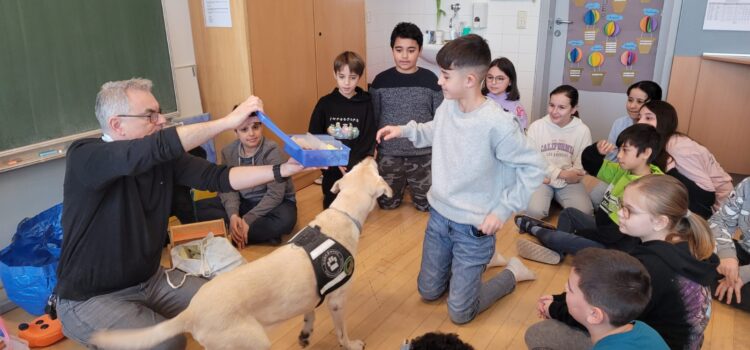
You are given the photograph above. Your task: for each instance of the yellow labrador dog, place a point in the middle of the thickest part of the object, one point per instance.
(230, 311)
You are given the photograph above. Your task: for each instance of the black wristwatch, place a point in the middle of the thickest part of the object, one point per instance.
(277, 173)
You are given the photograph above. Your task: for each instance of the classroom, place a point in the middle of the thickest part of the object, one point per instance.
(525, 131)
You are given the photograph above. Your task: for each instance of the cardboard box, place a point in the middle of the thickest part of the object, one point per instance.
(189, 232)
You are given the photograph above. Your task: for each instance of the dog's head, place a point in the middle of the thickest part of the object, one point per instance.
(363, 179)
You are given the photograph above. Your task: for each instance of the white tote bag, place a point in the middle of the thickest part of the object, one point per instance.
(207, 258)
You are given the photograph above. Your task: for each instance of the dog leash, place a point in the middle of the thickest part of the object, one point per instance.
(356, 223)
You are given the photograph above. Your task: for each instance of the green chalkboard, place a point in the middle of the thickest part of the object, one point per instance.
(56, 54)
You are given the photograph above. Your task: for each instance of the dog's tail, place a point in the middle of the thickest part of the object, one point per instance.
(143, 338)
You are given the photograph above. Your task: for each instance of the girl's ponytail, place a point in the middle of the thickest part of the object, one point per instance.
(695, 230)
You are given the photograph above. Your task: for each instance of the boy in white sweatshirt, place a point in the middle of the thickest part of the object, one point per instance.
(561, 136)
(482, 171)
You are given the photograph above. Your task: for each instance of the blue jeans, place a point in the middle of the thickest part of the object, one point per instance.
(562, 240)
(453, 256)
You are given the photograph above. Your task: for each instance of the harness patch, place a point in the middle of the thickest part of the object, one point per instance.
(332, 262)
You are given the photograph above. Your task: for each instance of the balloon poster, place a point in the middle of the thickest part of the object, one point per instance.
(611, 43)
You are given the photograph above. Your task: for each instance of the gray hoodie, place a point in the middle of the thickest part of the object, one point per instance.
(268, 196)
(481, 162)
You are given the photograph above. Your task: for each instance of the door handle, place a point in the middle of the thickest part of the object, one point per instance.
(562, 21)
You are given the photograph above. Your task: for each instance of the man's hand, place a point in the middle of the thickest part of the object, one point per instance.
(729, 288)
(542, 306)
(243, 111)
(388, 132)
(491, 224)
(572, 176)
(604, 147)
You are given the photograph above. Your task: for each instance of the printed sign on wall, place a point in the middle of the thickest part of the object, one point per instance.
(612, 43)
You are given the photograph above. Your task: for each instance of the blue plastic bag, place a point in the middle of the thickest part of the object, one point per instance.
(29, 263)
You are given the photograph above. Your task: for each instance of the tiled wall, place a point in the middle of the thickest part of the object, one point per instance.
(504, 38)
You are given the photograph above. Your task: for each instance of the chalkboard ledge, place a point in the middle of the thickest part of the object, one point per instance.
(40, 152)
(53, 149)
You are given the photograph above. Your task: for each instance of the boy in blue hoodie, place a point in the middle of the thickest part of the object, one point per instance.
(483, 171)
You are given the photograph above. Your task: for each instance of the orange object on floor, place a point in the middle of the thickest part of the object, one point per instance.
(43, 331)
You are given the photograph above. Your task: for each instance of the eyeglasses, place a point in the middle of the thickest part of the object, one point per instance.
(495, 79)
(153, 117)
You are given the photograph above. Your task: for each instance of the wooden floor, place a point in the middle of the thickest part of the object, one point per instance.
(384, 307)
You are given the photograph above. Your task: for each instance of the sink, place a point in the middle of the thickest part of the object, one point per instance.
(427, 57)
(429, 52)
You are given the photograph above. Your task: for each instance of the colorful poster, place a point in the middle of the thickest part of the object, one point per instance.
(612, 43)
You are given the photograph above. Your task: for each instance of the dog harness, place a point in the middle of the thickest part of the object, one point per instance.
(332, 262)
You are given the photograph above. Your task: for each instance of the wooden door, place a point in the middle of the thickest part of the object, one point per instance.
(282, 52)
(339, 27)
(281, 48)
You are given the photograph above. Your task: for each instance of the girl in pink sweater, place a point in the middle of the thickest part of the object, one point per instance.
(691, 159)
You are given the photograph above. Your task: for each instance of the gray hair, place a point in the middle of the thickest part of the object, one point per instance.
(112, 99)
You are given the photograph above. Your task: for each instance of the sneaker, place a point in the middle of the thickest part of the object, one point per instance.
(525, 223)
(319, 180)
(537, 252)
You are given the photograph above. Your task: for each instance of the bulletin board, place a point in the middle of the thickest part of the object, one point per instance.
(611, 43)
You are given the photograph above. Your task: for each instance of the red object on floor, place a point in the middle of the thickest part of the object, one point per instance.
(43, 331)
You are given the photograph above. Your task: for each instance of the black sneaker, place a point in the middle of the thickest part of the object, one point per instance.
(525, 223)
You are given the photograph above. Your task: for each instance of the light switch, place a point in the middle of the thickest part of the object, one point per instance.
(521, 20)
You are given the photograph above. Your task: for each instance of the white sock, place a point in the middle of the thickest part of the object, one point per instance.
(497, 260)
(519, 270)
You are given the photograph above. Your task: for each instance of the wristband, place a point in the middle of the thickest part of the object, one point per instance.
(277, 173)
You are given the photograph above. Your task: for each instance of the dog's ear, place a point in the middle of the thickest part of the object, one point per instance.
(384, 189)
(335, 188)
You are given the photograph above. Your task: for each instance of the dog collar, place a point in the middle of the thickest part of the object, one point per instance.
(356, 223)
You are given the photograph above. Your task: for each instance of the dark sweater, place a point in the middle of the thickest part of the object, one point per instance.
(680, 297)
(349, 120)
(398, 98)
(117, 198)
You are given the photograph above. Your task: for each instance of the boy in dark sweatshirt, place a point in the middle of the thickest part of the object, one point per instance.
(400, 94)
(346, 114)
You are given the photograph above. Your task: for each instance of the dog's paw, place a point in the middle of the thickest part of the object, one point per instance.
(355, 345)
(304, 339)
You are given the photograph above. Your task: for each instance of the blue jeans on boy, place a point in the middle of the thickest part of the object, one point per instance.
(453, 257)
(563, 240)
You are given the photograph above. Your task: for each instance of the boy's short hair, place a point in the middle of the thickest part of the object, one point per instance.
(348, 58)
(642, 136)
(613, 281)
(406, 30)
(438, 341)
(468, 51)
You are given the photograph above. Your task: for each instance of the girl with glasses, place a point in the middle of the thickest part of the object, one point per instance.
(501, 86)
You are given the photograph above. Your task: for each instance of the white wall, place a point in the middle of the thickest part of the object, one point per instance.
(519, 45)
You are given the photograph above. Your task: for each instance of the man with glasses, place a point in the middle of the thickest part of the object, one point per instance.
(117, 197)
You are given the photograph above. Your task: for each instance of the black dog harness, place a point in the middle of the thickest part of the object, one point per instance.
(332, 262)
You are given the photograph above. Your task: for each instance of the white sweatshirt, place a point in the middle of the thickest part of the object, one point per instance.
(561, 147)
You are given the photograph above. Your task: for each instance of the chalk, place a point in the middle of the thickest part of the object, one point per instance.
(13, 161)
(49, 152)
